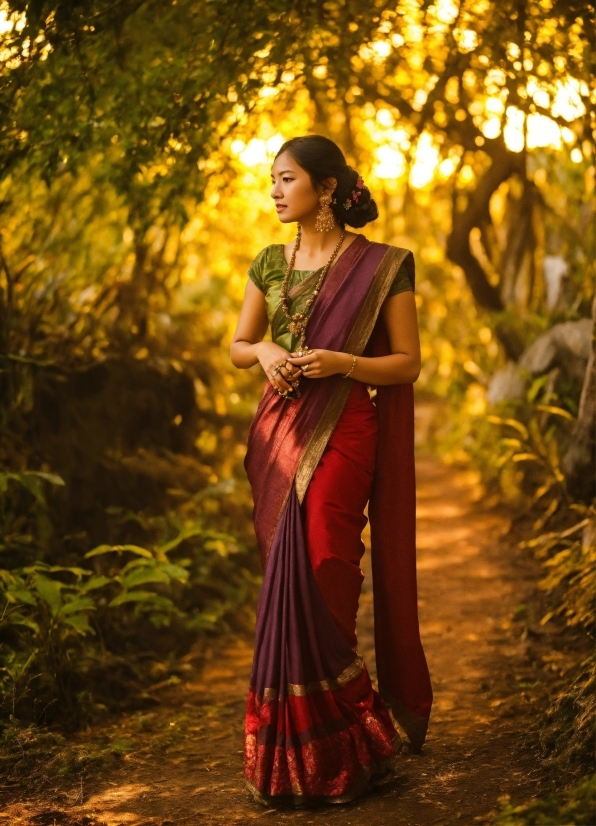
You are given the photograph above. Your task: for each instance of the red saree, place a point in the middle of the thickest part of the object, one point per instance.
(315, 728)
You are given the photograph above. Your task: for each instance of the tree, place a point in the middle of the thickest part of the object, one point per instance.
(482, 79)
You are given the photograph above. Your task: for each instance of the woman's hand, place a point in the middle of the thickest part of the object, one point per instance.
(321, 363)
(270, 355)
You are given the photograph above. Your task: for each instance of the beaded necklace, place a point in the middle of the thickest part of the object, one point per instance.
(298, 321)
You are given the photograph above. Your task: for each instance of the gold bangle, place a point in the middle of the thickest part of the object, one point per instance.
(352, 367)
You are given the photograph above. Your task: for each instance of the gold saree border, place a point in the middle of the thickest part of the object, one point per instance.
(355, 343)
(295, 690)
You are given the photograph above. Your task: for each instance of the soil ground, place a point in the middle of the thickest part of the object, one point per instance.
(180, 763)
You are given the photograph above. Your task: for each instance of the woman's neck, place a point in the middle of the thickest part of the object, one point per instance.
(314, 243)
(316, 247)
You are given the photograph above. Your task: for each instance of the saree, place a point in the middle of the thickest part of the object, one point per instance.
(315, 728)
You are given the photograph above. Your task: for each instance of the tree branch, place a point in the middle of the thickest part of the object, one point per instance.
(504, 164)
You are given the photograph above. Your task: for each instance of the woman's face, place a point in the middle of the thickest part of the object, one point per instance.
(295, 197)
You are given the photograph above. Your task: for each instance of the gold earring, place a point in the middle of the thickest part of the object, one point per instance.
(324, 220)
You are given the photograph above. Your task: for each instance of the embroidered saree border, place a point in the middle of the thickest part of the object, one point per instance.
(376, 774)
(355, 343)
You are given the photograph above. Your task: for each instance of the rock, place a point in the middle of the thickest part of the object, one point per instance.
(565, 346)
(506, 384)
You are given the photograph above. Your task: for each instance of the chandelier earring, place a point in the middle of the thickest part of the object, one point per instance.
(324, 220)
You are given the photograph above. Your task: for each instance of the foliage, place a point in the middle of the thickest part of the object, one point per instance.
(516, 445)
(62, 624)
(531, 438)
(570, 562)
(519, 452)
(569, 558)
(575, 806)
(568, 728)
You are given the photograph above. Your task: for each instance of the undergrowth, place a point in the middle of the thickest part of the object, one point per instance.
(78, 640)
(574, 806)
(517, 448)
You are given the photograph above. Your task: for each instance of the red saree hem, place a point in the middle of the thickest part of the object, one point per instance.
(318, 745)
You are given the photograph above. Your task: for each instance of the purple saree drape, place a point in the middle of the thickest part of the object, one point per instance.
(314, 726)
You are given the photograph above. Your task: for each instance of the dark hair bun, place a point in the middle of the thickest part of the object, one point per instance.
(322, 159)
(353, 203)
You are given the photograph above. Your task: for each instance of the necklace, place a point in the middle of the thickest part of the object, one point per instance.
(298, 321)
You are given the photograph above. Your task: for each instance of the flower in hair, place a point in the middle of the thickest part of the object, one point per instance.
(347, 204)
(360, 183)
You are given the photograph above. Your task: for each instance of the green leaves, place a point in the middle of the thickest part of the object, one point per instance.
(49, 591)
(77, 604)
(514, 423)
(106, 549)
(134, 596)
(556, 411)
(535, 444)
(149, 567)
(50, 614)
(79, 623)
(31, 480)
(142, 576)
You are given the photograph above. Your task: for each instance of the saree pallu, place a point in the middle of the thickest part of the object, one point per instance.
(315, 728)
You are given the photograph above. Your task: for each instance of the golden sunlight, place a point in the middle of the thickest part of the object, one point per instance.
(426, 160)
(391, 163)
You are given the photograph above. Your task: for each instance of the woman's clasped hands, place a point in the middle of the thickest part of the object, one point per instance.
(318, 364)
(284, 369)
(283, 376)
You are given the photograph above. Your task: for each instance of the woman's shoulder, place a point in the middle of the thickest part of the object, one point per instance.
(267, 261)
(270, 254)
(405, 274)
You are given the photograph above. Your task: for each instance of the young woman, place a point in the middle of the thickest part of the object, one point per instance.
(319, 449)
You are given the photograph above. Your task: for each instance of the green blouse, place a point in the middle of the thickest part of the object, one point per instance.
(267, 273)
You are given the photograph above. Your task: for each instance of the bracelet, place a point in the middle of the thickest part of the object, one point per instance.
(352, 367)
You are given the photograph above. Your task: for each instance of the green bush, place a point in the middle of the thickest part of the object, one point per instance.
(76, 640)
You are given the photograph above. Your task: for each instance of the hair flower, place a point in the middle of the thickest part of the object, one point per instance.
(347, 204)
(360, 183)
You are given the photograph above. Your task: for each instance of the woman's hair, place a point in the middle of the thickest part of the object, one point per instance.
(322, 159)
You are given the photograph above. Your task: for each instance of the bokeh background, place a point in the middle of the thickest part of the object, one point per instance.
(137, 140)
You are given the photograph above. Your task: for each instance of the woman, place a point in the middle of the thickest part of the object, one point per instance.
(318, 450)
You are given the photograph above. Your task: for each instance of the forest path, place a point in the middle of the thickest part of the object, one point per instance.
(184, 760)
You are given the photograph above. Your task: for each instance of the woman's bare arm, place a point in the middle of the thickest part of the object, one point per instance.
(248, 347)
(251, 327)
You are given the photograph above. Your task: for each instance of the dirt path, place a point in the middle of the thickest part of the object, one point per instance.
(182, 761)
